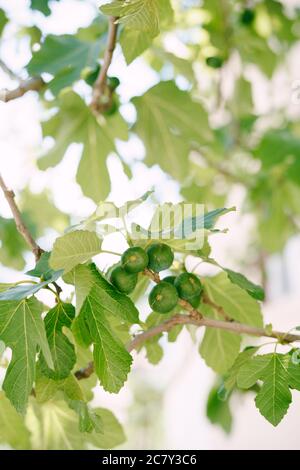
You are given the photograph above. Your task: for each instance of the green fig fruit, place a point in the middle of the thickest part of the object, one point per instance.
(163, 297)
(188, 286)
(247, 16)
(113, 82)
(122, 280)
(169, 279)
(214, 62)
(92, 76)
(160, 257)
(134, 260)
(194, 301)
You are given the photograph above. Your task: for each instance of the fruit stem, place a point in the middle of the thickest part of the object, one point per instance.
(57, 298)
(109, 252)
(26, 281)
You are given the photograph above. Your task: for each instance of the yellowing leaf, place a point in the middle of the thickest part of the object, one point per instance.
(12, 427)
(54, 426)
(218, 348)
(237, 303)
(134, 43)
(141, 15)
(74, 248)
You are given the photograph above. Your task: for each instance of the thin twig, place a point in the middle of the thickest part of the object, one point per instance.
(100, 84)
(262, 260)
(9, 72)
(21, 227)
(32, 84)
(206, 300)
(85, 372)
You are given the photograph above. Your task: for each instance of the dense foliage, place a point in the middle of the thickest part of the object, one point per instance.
(200, 123)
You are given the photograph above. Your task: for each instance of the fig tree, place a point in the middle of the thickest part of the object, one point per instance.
(160, 257)
(134, 260)
(163, 297)
(122, 280)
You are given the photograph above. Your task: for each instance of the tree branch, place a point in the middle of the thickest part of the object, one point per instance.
(37, 83)
(32, 84)
(233, 327)
(100, 84)
(85, 372)
(195, 318)
(21, 227)
(9, 72)
(206, 300)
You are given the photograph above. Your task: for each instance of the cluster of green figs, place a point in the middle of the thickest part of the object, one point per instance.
(165, 295)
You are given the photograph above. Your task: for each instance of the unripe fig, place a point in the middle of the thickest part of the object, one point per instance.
(113, 82)
(92, 76)
(214, 62)
(111, 109)
(122, 280)
(247, 16)
(163, 297)
(194, 301)
(160, 257)
(134, 260)
(188, 286)
(169, 279)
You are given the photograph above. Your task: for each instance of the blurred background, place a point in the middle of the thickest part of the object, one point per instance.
(164, 406)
